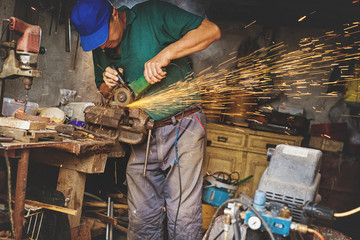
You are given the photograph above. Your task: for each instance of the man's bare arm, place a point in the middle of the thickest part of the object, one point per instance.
(192, 42)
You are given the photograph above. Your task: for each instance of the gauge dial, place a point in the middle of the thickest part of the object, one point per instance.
(254, 223)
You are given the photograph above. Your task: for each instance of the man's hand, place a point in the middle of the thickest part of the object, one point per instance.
(110, 77)
(153, 72)
(193, 41)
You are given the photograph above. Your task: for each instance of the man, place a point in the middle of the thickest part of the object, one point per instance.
(143, 41)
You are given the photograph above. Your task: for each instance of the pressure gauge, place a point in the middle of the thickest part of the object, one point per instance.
(254, 222)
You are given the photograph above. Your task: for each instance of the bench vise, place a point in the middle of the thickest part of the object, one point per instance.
(127, 125)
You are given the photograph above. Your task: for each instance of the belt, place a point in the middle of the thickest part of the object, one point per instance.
(178, 116)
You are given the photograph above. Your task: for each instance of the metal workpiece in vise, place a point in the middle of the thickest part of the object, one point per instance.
(20, 58)
(127, 125)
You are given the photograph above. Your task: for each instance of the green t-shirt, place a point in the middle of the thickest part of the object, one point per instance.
(150, 27)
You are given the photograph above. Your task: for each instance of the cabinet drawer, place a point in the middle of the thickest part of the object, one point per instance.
(261, 143)
(225, 139)
(224, 160)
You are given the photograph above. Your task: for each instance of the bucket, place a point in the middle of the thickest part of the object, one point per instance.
(215, 192)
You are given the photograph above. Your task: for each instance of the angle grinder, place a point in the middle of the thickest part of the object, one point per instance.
(125, 94)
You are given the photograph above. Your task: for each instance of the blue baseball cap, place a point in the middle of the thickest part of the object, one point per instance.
(91, 18)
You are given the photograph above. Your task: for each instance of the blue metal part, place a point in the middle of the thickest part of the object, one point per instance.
(278, 225)
(259, 201)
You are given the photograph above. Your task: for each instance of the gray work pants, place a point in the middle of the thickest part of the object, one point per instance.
(156, 197)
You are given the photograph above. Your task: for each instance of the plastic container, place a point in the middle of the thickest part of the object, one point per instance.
(75, 110)
(56, 115)
(215, 192)
(12, 106)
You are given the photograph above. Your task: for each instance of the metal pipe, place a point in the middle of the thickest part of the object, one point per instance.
(41, 219)
(111, 215)
(29, 224)
(147, 152)
(107, 225)
(2, 95)
(21, 181)
(34, 227)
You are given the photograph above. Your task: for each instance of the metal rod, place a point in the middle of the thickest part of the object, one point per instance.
(147, 153)
(21, 181)
(2, 95)
(111, 215)
(29, 224)
(41, 219)
(76, 50)
(67, 32)
(108, 214)
(33, 231)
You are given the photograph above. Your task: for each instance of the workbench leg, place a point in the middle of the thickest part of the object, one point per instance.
(72, 184)
(20, 192)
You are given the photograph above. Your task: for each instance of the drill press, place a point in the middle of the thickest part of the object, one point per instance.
(19, 59)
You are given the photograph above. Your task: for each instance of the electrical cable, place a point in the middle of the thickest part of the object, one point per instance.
(226, 178)
(176, 161)
(221, 232)
(310, 230)
(5, 29)
(9, 188)
(241, 200)
(344, 214)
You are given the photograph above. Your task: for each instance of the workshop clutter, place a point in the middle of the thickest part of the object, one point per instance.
(12, 106)
(218, 188)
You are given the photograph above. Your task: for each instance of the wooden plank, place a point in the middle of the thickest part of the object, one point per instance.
(72, 146)
(72, 184)
(104, 205)
(86, 163)
(82, 232)
(106, 219)
(30, 136)
(21, 124)
(51, 207)
(32, 118)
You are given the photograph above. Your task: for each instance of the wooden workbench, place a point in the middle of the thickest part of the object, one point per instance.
(75, 159)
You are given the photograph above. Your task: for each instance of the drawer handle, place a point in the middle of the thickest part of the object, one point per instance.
(270, 145)
(208, 143)
(222, 139)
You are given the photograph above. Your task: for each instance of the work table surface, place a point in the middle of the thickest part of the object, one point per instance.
(68, 145)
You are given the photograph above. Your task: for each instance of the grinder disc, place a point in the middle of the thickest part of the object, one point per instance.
(122, 96)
